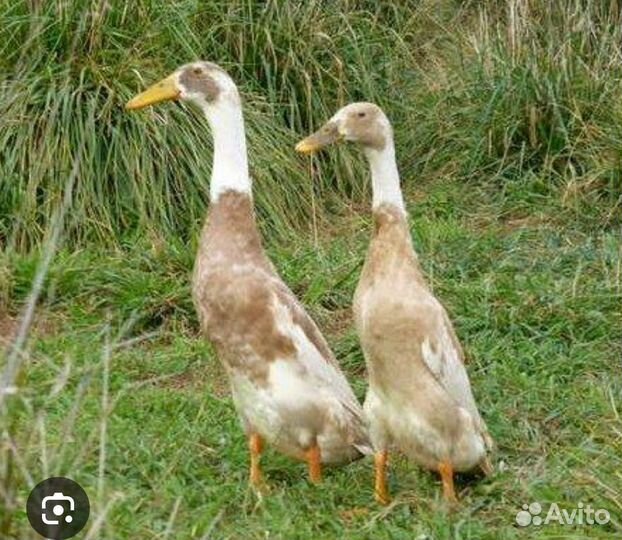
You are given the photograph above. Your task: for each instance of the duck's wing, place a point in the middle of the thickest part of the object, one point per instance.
(443, 356)
(314, 354)
(453, 337)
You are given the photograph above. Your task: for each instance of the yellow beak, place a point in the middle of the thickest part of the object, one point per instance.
(324, 136)
(307, 147)
(165, 90)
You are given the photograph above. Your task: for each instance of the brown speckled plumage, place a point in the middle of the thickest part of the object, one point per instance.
(285, 382)
(419, 398)
(237, 294)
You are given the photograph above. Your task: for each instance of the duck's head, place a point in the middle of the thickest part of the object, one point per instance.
(363, 123)
(203, 83)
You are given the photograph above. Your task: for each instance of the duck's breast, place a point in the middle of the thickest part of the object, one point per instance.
(283, 383)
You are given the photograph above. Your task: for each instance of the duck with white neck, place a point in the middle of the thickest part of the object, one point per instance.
(286, 384)
(419, 399)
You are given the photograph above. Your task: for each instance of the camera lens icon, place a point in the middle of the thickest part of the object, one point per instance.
(52, 501)
(58, 508)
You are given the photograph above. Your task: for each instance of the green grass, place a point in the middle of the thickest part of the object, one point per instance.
(507, 119)
(536, 304)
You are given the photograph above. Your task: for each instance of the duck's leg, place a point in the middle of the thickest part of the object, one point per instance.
(447, 476)
(381, 493)
(313, 457)
(255, 444)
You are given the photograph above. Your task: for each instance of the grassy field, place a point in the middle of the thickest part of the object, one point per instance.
(508, 120)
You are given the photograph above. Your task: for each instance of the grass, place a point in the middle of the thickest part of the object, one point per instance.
(537, 306)
(507, 118)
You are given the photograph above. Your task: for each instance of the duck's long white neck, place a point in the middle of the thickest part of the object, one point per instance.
(230, 166)
(385, 177)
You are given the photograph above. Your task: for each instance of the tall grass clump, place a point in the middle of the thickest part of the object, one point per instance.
(488, 93)
(70, 66)
(534, 89)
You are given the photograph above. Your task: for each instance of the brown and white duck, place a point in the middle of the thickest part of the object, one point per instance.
(419, 398)
(286, 384)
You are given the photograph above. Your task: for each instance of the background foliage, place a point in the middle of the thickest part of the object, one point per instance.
(508, 120)
(485, 93)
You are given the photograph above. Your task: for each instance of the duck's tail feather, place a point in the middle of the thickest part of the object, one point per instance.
(364, 448)
(486, 466)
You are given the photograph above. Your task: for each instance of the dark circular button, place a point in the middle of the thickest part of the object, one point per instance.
(58, 508)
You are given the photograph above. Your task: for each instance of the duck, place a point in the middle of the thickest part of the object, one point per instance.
(287, 386)
(419, 399)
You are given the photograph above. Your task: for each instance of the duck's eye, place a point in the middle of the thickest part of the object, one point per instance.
(361, 115)
(197, 71)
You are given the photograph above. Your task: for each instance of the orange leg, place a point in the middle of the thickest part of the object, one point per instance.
(381, 493)
(255, 445)
(314, 460)
(447, 476)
